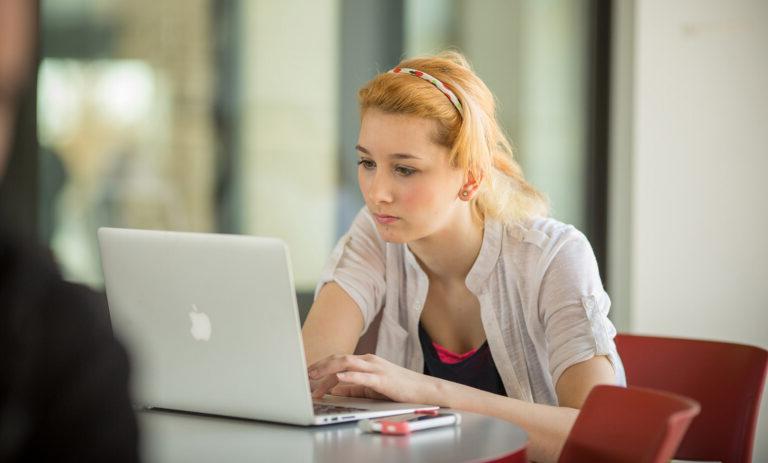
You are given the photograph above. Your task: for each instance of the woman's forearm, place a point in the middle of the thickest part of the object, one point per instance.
(333, 312)
(547, 426)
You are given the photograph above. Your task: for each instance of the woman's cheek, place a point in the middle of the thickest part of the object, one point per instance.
(413, 198)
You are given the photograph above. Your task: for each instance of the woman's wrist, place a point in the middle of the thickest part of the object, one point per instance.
(440, 392)
(448, 394)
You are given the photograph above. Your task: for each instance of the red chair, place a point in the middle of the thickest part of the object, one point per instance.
(628, 425)
(726, 379)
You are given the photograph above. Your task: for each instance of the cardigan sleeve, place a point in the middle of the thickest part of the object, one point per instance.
(573, 307)
(357, 265)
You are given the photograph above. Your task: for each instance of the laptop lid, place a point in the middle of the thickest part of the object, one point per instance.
(204, 317)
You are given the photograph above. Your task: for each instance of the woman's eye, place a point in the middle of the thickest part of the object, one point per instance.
(366, 163)
(405, 171)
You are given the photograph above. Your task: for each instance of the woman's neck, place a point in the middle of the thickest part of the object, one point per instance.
(449, 254)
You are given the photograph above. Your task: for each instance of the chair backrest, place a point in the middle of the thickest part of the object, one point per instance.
(726, 379)
(628, 425)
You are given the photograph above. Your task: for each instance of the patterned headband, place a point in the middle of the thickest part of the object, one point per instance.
(440, 86)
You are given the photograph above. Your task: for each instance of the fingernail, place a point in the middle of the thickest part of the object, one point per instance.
(312, 373)
(341, 374)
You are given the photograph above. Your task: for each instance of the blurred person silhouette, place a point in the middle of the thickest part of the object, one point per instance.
(63, 376)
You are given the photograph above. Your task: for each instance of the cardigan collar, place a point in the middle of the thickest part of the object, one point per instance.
(490, 249)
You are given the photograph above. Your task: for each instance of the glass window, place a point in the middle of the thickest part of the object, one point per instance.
(125, 120)
(241, 116)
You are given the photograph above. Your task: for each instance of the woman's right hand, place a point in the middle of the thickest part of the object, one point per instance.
(321, 385)
(372, 377)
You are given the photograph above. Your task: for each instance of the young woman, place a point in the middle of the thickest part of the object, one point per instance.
(487, 305)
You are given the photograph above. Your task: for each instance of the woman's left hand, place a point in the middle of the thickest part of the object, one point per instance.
(372, 377)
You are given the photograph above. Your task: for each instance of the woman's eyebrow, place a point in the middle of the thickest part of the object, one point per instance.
(403, 156)
(393, 155)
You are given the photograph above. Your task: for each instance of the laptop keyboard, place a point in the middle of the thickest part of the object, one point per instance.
(326, 409)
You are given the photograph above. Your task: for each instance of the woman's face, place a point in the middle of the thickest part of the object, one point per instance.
(405, 178)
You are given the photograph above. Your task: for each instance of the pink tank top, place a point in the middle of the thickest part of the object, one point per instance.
(449, 357)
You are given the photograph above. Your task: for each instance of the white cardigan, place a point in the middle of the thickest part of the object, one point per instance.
(542, 303)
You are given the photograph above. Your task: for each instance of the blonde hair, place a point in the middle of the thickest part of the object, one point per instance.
(476, 140)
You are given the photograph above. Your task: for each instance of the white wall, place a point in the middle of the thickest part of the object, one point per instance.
(697, 239)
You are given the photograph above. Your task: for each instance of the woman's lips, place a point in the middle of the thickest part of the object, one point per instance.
(385, 219)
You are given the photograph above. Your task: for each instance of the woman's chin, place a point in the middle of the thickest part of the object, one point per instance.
(394, 239)
(391, 236)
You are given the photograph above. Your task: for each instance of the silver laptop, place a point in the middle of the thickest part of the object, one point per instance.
(212, 326)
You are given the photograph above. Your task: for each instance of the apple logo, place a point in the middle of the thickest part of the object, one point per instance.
(201, 325)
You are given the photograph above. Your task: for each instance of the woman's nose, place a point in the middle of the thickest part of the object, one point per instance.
(380, 190)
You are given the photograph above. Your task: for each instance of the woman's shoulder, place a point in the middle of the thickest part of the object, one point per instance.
(544, 243)
(362, 232)
(542, 233)
(363, 225)
(363, 217)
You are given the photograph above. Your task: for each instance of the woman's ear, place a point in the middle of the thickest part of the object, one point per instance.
(470, 186)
